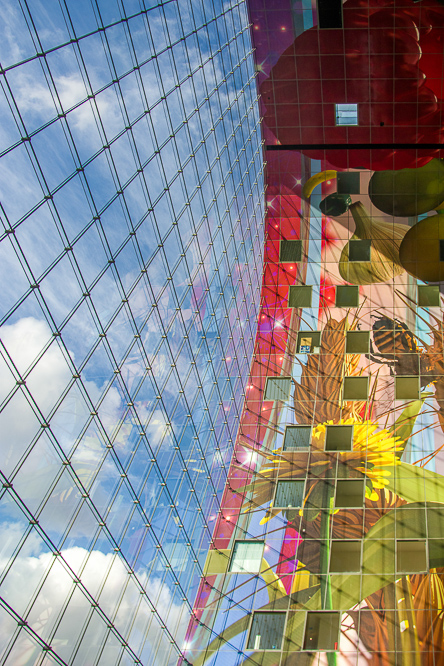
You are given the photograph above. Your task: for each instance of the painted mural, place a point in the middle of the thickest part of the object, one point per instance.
(329, 547)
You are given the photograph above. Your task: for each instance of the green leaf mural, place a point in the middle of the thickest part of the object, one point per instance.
(413, 521)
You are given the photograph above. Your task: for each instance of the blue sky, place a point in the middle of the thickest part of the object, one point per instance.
(94, 212)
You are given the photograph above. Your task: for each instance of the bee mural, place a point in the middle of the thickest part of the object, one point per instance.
(400, 349)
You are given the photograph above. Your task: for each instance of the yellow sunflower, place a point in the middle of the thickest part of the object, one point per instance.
(374, 450)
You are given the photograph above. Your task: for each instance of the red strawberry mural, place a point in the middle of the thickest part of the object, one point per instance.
(388, 59)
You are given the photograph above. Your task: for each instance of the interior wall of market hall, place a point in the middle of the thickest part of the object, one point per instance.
(329, 546)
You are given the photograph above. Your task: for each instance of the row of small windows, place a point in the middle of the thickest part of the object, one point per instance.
(358, 250)
(337, 438)
(347, 296)
(321, 631)
(346, 556)
(347, 493)
(407, 387)
(356, 342)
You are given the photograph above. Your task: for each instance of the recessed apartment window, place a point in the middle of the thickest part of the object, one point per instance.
(411, 556)
(321, 630)
(290, 250)
(267, 631)
(441, 250)
(345, 556)
(348, 182)
(247, 557)
(347, 296)
(406, 388)
(297, 437)
(299, 296)
(277, 388)
(355, 388)
(346, 114)
(357, 342)
(428, 295)
(289, 494)
(359, 250)
(309, 342)
(339, 438)
(349, 493)
(329, 14)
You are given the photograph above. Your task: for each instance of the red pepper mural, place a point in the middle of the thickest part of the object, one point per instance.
(388, 58)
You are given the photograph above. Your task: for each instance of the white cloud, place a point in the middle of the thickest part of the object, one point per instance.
(24, 341)
(107, 579)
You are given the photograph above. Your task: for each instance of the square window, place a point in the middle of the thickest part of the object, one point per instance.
(321, 630)
(441, 250)
(297, 437)
(406, 388)
(428, 295)
(289, 494)
(277, 388)
(267, 631)
(348, 182)
(346, 114)
(290, 250)
(411, 556)
(345, 556)
(347, 296)
(247, 557)
(359, 250)
(355, 388)
(299, 296)
(329, 14)
(349, 493)
(309, 342)
(339, 438)
(357, 342)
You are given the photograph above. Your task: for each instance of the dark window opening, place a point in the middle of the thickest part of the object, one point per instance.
(330, 13)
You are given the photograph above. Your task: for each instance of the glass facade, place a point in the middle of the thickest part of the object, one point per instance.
(338, 471)
(132, 211)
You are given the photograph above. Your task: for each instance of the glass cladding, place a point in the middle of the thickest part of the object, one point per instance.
(131, 262)
(337, 475)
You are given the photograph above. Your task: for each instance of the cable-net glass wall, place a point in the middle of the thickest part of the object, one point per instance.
(131, 260)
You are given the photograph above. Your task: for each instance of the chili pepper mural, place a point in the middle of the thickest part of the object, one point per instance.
(374, 61)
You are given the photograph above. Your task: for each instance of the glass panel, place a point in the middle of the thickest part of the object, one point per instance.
(290, 250)
(297, 437)
(406, 388)
(321, 631)
(357, 342)
(346, 114)
(428, 296)
(345, 556)
(349, 493)
(267, 631)
(359, 250)
(309, 342)
(339, 438)
(289, 494)
(299, 296)
(411, 556)
(247, 557)
(278, 388)
(355, 388)
(347, 297)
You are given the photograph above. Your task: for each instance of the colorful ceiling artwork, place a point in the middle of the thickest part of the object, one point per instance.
(329, 545)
